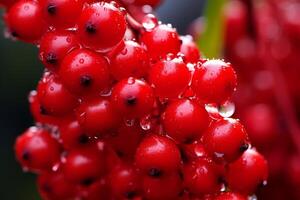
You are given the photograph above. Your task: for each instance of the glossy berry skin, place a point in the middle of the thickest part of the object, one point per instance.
(84, 166)
(185, 120)
(132, 97)
(97, 190)
(124, 182)
(152, 3)
(37, 150)
(201, 177)
(189, 49)
(167, 187)
(6, 4)
(84, 72)
(53, 185)
(25, 22)
(225, 139)
(54, 97)
(132, 135)
(130, 61)
(169, 78)
(214, 81)
(72, 136)
(101, 26)
(97, 116)
(229, 196)
(157, 156)
(160, 41)
(54, 46)
(39, 113)
(248, 172)
(61, 13)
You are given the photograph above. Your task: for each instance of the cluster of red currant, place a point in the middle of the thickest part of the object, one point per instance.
(127, 109)
(263, 40)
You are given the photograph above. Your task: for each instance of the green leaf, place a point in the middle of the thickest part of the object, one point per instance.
(212, 40)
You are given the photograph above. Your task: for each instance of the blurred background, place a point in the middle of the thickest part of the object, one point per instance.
(262, 40)
(20, 71)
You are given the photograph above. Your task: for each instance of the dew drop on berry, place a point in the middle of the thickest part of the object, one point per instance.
(213, 111)
(252, 197)
(129, 122)
(149, 22)
(55, 167)
(146, 123)
(227, 109)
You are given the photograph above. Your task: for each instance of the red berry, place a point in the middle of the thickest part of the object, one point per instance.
(170, 78)
(97, 116)
(201, 177)
(61, 13)
(84, 165)
(160, 41)
(25, 22)
(7, 3)
(39, 113)
(84, 72)
(124, 181)
(225, 139)
(157, 156)
(133, 97)
(185, 120)
(54, 97)
(130, 61)
(37, 150)
(72, 136)
(189, 49)
(53, 185)
(248, 172)
(214, 81)
(167, 187)
(132, 135)
(54, 46)
(230, 196)
(97, 190)
(101, 26)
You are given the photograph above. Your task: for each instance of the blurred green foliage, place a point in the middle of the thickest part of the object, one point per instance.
(211, 41)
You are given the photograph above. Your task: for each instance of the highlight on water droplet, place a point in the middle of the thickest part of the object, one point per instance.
(227, 109)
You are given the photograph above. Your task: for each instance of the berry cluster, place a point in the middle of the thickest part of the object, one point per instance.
(127, 108)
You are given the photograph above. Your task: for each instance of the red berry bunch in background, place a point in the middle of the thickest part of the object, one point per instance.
(127, 108)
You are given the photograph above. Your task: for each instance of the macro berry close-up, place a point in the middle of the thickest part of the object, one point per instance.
(145, 100)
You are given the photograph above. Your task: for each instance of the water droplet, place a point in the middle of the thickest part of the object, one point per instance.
(55, 167)
(146, 123)
(129, 122)
(81, 61)
(131, 80)
(227, 109)
(149, 22)
(213, 111)
(219, 155)
(253, 197)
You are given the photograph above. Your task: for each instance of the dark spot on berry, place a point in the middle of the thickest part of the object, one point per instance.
(90, 28)
(181, 175)
(43, 111)
(25, 155)
(180, 42)
(155, 173)
(51, 9)
(221, 180)
(131, 101)
(51, 58)
(85, 81)
(119, 153)
(244, 147)
(46, 188)
(87, 181)
(130, 194)
(83, 139)
(14, 34)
